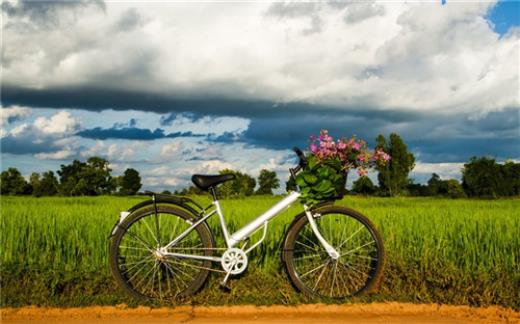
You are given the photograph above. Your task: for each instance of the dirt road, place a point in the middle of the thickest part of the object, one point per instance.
(304, 314)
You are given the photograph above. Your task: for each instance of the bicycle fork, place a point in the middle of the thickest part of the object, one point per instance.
(329, 248)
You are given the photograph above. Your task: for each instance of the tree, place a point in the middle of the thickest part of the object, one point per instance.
(510, 174)
(35, 183)
(482, 177)
(417, 189)
(47, 185)
(363, 186)
(435, 185)
(90, 178)
(454, 189)
(242, 185)
(393, 177)
(267, 181)
(13, 183)
(129, 182)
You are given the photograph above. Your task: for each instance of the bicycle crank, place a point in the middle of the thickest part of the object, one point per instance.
(233, 261)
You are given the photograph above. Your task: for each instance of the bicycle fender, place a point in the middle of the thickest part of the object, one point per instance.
(159, 199)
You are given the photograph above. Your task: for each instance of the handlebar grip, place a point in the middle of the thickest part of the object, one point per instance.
(303, 159)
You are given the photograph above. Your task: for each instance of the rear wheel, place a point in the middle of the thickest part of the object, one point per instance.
(311, 269)
(141, 272)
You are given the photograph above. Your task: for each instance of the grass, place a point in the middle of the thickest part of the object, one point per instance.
(54, 251)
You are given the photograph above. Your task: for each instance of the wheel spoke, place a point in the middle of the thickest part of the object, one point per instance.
(338, 278)
(150, 274)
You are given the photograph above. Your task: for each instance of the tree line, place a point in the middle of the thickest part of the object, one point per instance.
(481, 177)
(89, 178)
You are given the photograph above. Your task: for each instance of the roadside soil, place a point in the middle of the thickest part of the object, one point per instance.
(305, 314)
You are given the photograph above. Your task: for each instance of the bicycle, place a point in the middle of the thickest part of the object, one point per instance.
(163, 248)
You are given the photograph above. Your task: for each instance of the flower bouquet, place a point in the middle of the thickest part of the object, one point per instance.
(328, 163)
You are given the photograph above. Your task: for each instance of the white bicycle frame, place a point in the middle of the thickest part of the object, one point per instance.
(246, 231)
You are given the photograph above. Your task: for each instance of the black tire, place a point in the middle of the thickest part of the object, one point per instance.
(310, 268)
(132, 250)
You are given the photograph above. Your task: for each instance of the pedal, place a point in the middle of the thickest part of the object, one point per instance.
(225, 287)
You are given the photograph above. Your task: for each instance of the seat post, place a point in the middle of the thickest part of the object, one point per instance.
(213, 193)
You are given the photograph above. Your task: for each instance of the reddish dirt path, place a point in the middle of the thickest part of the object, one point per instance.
(304, 314)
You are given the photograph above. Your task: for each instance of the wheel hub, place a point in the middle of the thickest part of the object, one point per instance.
(159, 253)
(234, 261)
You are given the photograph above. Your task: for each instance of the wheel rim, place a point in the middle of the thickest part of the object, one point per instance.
(147, 273)
(346, 276)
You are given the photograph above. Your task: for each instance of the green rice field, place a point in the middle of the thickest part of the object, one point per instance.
(54, 251)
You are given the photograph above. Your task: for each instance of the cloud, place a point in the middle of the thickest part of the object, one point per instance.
(60, 123)
(49, 136)
(13, 114)
(129, 20)
(357, 12)
(165, 177)
(444, 170)
(59, 155)
(122, 133)
(171, 149)
(382, 62)
(440, 76)
(46, 13)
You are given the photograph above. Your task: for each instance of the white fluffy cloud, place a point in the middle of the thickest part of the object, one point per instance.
(60, 123)
(14, 113)
(416, 56)
(444, 170)
(171, 149)
(49, 138)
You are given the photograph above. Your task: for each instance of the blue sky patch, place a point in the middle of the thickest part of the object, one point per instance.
(504, 15)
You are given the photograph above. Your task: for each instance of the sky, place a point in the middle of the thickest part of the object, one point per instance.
(177, 88)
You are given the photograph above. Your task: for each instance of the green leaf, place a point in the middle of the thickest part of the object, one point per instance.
(323, 185)
(300, 181)
(310, 178)
(312, 162)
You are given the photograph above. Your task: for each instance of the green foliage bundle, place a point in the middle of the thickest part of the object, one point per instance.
(328, 163)
(321, 180)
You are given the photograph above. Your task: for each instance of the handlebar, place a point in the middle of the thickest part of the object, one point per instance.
(303, 160)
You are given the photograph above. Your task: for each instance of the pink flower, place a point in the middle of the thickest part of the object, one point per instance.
(314, 148)
(356, 146)
(342, 145)
(362, 172)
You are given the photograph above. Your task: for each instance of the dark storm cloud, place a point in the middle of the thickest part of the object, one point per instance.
(98, 99)
(131, 123)
(495, 134)
(167, 120)
(131, 133)
(462, 149)
(282, 126)
(27, 145)
(122, 133)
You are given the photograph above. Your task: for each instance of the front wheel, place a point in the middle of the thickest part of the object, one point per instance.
(359, 266)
